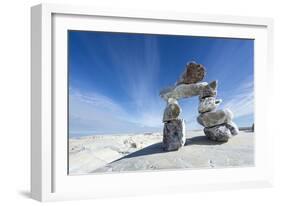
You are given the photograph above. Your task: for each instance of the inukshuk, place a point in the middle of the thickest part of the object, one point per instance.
(218, 124)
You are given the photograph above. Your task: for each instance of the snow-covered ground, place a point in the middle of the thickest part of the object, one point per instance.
(135, 152)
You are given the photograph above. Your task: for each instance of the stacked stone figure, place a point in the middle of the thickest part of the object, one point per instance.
(218, 123)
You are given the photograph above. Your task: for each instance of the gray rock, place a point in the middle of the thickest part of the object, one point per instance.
(209, 90)
(233, 128)
(183, 91)
(208, 104)
(193, 73)
(210, 119)
(173, 135)
(172, 110)
(218, 133)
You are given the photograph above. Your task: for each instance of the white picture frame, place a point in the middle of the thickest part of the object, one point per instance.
(49, 179)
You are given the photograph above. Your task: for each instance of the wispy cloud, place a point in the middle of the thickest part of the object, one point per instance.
(95, 101)
(93, 113)
(138, 76)
(137, 72)
(241, 102)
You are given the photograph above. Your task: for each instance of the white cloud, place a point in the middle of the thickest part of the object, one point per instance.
(138, 76)
(96, 101)
(241, 103)
(92, 113)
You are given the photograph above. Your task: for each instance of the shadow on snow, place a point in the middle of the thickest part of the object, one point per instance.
(157, 147)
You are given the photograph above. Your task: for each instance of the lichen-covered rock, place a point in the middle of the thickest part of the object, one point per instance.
(209, 90)
(233, 128)
(218, 133)
(192, 74)
(173, 135)
(208, 104)
(210, 119)
(172, 110)
(183, 91)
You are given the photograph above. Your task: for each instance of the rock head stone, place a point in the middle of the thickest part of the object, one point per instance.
(218, 133)
(173, 134)
(193, 73)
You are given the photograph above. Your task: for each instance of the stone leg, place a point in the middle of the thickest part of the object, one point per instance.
(218, 133)
(173, 134)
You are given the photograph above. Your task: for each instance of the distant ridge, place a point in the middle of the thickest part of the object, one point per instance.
(245, 128)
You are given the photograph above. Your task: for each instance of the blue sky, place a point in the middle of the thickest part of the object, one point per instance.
(115, 79)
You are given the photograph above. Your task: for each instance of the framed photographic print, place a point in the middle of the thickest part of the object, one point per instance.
(137, 102)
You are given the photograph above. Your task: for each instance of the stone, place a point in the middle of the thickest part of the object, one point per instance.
(172, 110)
(208, 104)
(218, 133)
(193, 73)
(233, 128)
(209, 90)
(210, 119)
(173, 135)
(183, 91)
